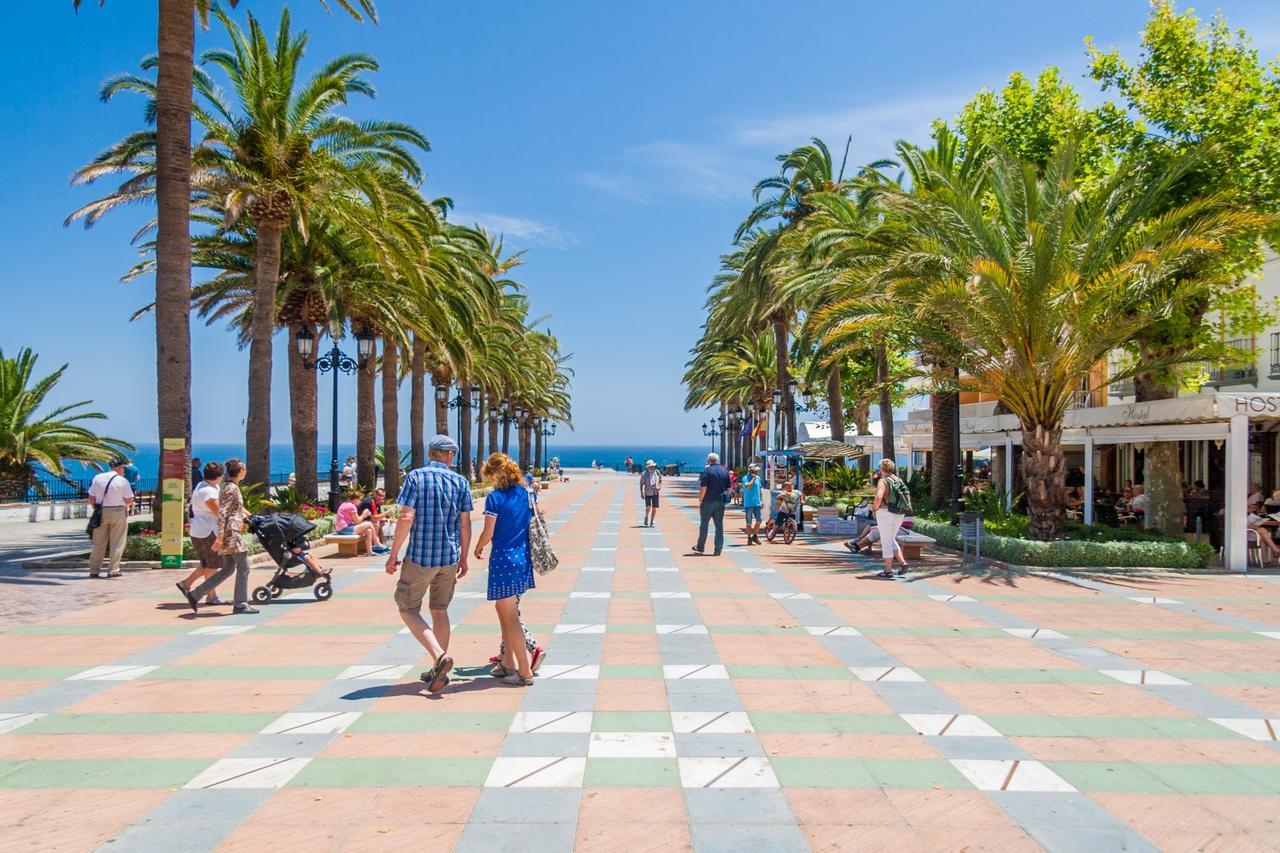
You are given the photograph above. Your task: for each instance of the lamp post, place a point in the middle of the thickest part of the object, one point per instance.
(548, 430)
(335, 361)
(711, 431)
(458, 404)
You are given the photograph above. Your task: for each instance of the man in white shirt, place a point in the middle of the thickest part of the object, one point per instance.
(111, 491)
(1138, 504)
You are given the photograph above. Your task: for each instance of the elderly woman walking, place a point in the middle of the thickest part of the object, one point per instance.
(507, 511)
(229, 542)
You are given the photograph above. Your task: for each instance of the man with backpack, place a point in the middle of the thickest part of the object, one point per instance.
(892, 504)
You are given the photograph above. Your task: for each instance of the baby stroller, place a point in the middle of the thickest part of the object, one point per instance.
(279, 533)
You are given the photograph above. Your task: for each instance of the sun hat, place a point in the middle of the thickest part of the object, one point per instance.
(443, 442)
(649, 463)
(753, 467)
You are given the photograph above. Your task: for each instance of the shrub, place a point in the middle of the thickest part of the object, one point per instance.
(1076, 553)
(289, 498)
(147, 547)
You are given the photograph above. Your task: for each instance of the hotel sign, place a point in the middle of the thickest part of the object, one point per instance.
(1253, 405)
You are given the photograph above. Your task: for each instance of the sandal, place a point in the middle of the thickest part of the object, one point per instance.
(884, 574)
(500, 671)
(438, 676)
(516, 679)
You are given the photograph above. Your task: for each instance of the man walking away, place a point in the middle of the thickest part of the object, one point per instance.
(111, 491)
(435, 518)
(650, 485)
(752, 503)
(713, 493)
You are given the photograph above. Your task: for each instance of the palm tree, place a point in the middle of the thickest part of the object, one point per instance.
(172, 189)
(1055, 277)
(31, 439)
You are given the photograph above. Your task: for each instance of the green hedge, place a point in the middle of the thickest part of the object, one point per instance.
(148, 547)
(1074, 553)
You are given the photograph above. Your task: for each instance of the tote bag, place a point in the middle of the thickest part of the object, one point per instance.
(541, 555)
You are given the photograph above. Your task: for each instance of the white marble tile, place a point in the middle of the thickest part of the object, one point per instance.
(711, 722)
(727, 772)
(569, 671)
(576, 628)
(552, 722)
(1035, 633)
(949, 598)
(311, 723)
(681, 629)
(1252, 728)
(1007, 775)
(662, 569)
(222, 630)
(597, 568)
(590, 594)
(885, 673)
(13, 721)
(375, 671)
(1141, 676)
(249, 773)
(790, 596)
(632, 745)
(949, 725)
(669, 595)
(694, 671)
(112, 673)
(536, 772)
(833, 631)
(1152, 599)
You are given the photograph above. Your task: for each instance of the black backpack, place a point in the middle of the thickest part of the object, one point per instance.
(898, 497)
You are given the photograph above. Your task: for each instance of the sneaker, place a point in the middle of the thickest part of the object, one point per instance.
(381, 549)
(696, 549)
(93, 576)
(539, 655)
(244, 608)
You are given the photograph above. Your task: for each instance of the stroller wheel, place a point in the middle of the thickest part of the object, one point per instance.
(275, 591)
(324, 591)
(261, 595)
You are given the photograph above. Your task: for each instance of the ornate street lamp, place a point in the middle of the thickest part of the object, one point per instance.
(335, 362)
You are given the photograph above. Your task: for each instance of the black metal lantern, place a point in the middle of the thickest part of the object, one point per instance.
(442, 393)
(305, 341)
(364, 343)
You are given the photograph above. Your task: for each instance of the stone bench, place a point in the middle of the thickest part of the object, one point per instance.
(349, 545)
(912, 543)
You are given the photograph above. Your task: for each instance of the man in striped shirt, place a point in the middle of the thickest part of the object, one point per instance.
(435, 518)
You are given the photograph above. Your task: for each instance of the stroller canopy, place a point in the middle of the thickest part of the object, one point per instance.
(276, 530)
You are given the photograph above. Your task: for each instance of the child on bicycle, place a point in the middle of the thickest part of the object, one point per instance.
(786, 505)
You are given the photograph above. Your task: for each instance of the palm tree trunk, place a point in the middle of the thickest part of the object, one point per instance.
(537, 448)
(1044, 475)
(723, 426)
(464, 429)
(942, 461)
(835, 401)
(176, 43)
(861, 418)
(303, 420)
(438, 379)
(493, 429)
(1162, 476)
(481, 415)
(391, 417)
(886, 404)
(366, 426)
(788, 415)
(417, 404)
(258, 423)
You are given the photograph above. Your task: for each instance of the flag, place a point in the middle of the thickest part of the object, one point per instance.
(762, 428)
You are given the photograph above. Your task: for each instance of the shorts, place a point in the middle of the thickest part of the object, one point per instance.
(651, 500)
(752, 513)
(349, 530)
(415, 581)
(205, 552)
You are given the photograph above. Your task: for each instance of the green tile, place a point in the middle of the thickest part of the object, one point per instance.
(175, 723)
(37, 673)
(1267, 774)
(1213, 779)
(159, 628)
(1131, 727)
(631, 670)
(345, 773)
(758, 671)
(103, 773)
(433, 721)
(1105, 776)
(795, 772)
(1192, 728)
(632, 772)
(244, 673)
(631, 721)
(914, 773)
(1018, 725)
(440, 772)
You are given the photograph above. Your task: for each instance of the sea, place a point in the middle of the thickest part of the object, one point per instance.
(147, 456)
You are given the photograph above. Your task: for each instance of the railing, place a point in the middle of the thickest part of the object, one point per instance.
(1123, 388)
(1241, 374)
(1275, 356)
(1084, 398)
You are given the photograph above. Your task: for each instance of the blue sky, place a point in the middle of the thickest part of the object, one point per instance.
(617, 143)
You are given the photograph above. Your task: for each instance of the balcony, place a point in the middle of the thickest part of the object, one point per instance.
(1275, 356)
(1244, 373)
(1085, 398)
(1123, 388)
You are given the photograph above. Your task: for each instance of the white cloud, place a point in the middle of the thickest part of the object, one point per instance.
(529, 232)
(880, 123)
(707, 171)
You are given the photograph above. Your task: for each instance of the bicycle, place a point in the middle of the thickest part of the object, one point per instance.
(787, 529)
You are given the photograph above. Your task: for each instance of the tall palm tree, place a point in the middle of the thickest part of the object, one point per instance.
(32, 439)
(172, 187)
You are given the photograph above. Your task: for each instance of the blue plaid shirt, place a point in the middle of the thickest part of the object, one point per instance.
(436, 494)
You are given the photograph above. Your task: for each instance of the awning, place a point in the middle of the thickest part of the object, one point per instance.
(826, 449)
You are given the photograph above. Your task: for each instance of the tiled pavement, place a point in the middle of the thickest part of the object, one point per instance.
(771, 698)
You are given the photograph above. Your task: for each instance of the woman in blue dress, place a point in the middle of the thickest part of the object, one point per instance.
(507, 511)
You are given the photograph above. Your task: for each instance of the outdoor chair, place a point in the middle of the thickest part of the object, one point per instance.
(1252, 548)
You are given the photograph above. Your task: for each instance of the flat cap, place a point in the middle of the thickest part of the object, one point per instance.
(442, 442)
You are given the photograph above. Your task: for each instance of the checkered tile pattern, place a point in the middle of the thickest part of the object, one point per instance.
(777, 698)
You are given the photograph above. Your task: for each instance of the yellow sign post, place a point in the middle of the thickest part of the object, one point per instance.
(173, 492)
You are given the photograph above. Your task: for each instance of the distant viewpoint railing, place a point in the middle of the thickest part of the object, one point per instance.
(48, 488)
(639, 466)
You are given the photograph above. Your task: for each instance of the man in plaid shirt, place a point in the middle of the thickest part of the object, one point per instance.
(435, 517)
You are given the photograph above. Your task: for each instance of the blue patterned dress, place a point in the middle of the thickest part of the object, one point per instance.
(510, 571)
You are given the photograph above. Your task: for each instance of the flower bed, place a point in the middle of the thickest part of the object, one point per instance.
(145, 545)
(1077, 553)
